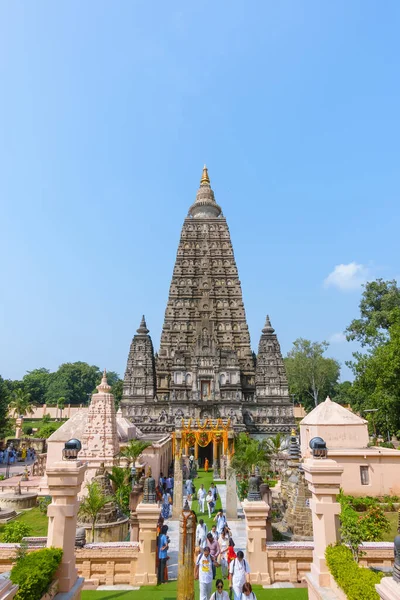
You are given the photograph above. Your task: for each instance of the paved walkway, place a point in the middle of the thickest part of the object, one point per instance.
(238, 528)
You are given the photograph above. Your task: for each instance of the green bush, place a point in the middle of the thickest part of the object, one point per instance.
(44, 502)
(356, 582)
(34, 572)
(276, 535)
(14, 532)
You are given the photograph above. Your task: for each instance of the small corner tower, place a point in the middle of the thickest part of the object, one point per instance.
(139, 379)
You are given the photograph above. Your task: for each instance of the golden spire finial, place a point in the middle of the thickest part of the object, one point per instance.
(205, 178)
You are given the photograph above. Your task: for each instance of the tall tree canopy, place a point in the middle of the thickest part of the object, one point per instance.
(73, 382)
(311, 375)
(36, 383)
(379, 310)
(377, 370)
(3, 408)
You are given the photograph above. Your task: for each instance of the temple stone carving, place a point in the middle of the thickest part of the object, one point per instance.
(100, 445)
(205, 367)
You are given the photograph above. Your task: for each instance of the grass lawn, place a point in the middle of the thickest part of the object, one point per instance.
(393, 518)
(35, 519)
(205, 479)
(168, 591)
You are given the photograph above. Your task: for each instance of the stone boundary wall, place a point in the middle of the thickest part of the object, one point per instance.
(102, 564)
(116, 562)
(291, 561)
(108, 564)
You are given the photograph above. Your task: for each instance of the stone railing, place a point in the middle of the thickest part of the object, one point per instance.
(115, 562)
(101, 564)
(291, 561)
(108, 564)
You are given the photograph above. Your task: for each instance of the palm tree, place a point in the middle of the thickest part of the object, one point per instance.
(248, 454)
(133, 450)
(121, 480)
(92, 504)
(61, 405)
(275, 445)
(21, 403)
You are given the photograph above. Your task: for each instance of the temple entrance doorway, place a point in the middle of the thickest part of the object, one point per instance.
(206, 452)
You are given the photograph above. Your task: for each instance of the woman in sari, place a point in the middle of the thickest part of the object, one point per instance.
(166, 505)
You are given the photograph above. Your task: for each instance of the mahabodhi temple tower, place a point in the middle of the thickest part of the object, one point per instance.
(205, 366)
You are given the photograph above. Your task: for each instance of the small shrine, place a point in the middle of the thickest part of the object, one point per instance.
(208, 439)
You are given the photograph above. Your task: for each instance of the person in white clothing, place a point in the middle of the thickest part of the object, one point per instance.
(239, 574)
(210, 503)
(201, 535)
(201, 497)
(223, 542)
(220, 593)
(204, 573)
(247, 592)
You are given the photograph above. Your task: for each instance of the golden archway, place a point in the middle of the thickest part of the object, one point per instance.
(197, 433)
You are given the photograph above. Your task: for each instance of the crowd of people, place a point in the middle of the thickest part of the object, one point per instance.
(12, 455)
(214, 548)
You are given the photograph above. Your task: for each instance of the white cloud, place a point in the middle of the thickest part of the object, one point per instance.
(337, 338)
(347, 277)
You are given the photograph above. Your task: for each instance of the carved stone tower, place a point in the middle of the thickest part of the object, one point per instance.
(140, 374)
(205, 366)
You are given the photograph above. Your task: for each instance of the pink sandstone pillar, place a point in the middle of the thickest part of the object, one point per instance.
(323, 477)
(64, 481)
(148, 515)
(256, 514)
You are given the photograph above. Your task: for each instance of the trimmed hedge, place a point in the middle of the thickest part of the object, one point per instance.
(34, 572)
(356, 582)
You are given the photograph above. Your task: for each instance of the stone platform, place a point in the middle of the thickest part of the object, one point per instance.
(18, 501)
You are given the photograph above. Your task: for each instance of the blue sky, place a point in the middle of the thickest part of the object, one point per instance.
(108, 112)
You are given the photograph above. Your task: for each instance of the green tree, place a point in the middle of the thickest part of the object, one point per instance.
(93, 503)
(311, 375)
(379, 310)
(73, 381)
(36, 383)
(249, 453)
(274, 446)
(21, 403)
(61, 405)
(4, 421)
(377, 369)
(121, 483)
(133, 450)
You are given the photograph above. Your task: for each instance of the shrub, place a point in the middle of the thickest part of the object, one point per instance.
(14, 532)
(386, 445)
(34, 572)
(355, 529)
(356, 582)
(276, 535)
(44, 502)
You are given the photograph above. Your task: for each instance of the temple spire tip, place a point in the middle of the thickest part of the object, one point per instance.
(204, 177)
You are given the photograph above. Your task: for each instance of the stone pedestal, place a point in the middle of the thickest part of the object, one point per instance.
(323, 477)
(256, 514)
(64, 481)
(388, 589)
(134, 521)
(148, 515)
(231, 494)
